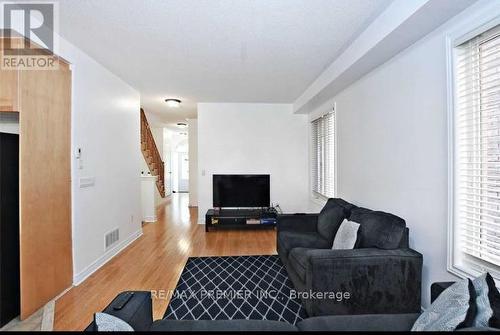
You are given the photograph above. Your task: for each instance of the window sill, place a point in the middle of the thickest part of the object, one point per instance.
(318, 199)
(470, 273)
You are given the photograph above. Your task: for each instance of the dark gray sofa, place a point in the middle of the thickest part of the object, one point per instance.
(137, 313)
(382, 274)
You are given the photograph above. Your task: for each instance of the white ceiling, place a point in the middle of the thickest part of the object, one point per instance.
(215, 50)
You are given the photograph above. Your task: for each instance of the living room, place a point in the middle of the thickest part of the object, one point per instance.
(340, 162)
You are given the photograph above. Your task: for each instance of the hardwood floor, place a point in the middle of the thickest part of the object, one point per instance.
(155, 262)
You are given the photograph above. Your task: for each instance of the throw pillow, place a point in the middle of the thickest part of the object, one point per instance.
(455, 308)
(109, 323)
(487, 301)
(346, 236)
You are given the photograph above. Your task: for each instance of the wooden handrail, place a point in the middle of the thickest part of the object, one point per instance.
(152, 154)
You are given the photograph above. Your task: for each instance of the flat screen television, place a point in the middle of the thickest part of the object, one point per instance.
(241, 190)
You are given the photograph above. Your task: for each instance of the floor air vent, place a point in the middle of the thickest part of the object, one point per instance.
(111, 238)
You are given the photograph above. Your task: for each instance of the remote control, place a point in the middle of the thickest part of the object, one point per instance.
(122, 301)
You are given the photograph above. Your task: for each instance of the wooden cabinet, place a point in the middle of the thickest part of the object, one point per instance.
(43, 100)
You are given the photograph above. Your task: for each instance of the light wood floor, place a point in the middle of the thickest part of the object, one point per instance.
(155, 262)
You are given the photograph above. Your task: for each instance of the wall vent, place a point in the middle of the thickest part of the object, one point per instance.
(111, 238)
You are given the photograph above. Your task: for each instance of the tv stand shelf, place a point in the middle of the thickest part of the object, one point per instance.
(240, 218)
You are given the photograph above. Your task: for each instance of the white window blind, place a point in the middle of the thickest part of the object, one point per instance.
(323, 155)
(477, 150)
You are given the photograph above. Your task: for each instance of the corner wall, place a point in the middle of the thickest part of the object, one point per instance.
(245, 138)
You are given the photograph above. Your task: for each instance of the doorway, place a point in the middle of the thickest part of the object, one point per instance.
(177, 161)
(183, 174)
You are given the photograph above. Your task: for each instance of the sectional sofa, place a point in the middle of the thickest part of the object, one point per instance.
(381, 274)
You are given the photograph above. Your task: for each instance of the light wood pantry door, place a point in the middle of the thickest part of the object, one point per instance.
(45, 186)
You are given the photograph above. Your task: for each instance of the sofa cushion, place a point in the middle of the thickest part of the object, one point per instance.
(298, 260)
(363, 323)
(331, 216)
(288, 240)
(455, 308)
(221, 325)
(137, 312)
(109, 323)
(487, 302)
(378, 229)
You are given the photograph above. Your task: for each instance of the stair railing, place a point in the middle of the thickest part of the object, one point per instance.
(152, 154)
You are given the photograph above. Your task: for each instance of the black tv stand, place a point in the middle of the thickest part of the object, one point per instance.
(244, 218)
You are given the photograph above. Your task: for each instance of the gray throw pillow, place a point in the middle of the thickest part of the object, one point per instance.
(346, 236)
(109, 323)
(487, 302)
(455, 308)
(484, 311)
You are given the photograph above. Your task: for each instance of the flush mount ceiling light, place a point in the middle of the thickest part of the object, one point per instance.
(174, 103)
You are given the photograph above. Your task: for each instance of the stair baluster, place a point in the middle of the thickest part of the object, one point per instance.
(152, 155)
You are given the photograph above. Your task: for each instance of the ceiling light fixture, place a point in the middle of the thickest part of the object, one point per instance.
(174, 103)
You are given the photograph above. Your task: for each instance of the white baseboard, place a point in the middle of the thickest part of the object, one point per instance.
(106, 257)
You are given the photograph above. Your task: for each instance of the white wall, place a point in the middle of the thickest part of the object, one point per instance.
(392, 145)
(193, 162)
(239, 138)
(105, 124)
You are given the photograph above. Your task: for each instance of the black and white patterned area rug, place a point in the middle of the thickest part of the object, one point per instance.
(231, 288)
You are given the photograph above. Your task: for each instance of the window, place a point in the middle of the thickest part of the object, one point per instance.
(476, 179)
(323, 155)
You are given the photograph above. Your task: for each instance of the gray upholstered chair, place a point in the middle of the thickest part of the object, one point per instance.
(381, 275)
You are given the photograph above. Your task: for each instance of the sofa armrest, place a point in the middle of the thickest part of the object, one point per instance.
(137, 312)
(364, 322)
(297, 222)
(371, 281)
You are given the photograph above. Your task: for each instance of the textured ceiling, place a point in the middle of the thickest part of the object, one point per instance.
(215, 50)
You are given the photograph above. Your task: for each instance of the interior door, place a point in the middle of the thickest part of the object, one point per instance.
(183, 172)
(45, 186)
(168, 175)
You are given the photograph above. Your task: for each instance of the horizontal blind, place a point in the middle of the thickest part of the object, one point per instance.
(323, 155)
(477, 137)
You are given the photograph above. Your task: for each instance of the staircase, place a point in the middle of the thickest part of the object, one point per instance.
(152, 155)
